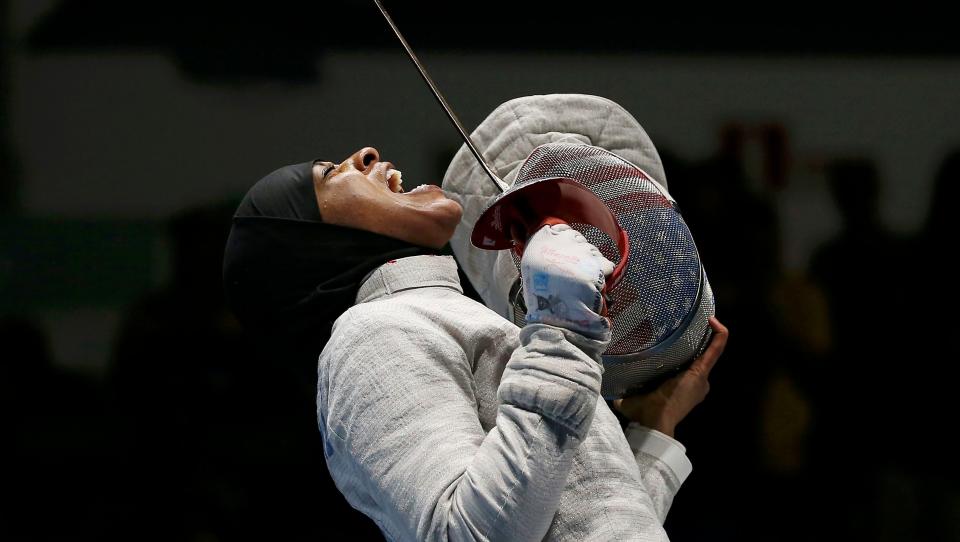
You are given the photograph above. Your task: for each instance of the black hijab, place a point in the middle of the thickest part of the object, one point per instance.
(287, 275)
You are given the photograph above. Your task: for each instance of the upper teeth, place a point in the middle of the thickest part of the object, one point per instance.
(395, 175)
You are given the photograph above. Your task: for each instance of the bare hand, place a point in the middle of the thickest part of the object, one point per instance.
(663, 408)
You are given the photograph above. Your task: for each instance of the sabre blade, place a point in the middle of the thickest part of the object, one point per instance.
(501, 186)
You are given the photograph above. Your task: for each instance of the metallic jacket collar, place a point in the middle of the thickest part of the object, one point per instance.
(407, 273)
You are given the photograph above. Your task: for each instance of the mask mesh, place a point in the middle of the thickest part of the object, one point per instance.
(660, 308)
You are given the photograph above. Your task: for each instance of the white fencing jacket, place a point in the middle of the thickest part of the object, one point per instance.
(443, 421)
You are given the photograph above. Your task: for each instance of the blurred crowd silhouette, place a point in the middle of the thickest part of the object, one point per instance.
(827, 420)
(828, 415)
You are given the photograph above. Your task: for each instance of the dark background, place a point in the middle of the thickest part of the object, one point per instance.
(815, 154)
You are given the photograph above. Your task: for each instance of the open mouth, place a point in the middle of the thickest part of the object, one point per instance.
(394, 180)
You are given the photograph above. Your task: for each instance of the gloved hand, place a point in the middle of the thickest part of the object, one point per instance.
(562, 278)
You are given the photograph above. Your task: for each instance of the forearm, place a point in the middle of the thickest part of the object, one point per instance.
(548, 395)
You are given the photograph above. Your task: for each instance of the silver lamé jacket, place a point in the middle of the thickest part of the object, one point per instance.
(443, 421)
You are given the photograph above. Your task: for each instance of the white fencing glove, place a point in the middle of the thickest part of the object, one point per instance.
(562, 278)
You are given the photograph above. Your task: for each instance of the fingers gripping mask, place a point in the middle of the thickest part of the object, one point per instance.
(661, 301)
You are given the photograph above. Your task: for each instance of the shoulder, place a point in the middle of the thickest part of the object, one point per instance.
(363, 328)
(435, 323)
(391, 316)
(399, 327)
(423, 307)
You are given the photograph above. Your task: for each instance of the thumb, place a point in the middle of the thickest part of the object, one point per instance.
(704, 364)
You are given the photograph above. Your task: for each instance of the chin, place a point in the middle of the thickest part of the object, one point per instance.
(444, 218)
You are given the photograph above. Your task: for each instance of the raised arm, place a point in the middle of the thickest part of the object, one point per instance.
(404, 442)
(397, 405)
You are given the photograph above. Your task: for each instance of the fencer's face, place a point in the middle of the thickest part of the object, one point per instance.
(364, 193)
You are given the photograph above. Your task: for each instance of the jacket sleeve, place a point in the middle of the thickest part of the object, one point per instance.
(404, 443)
(662, 463)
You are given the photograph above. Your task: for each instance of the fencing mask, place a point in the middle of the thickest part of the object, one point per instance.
(662, 301)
